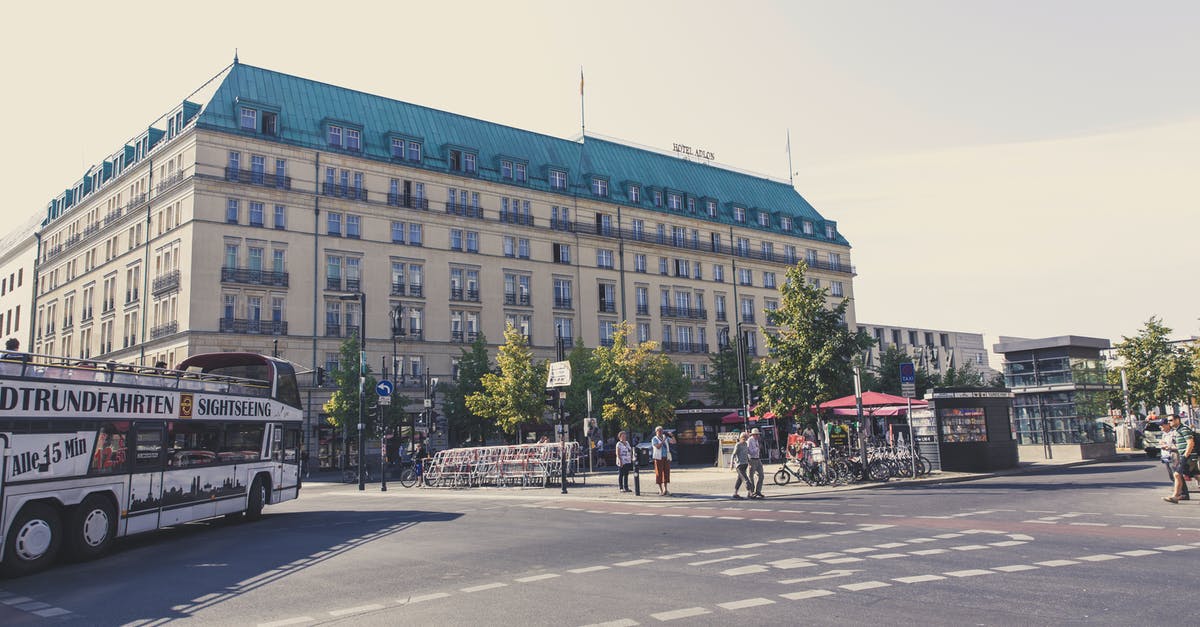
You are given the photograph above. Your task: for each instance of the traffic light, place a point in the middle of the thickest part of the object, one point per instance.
(551, 396)
(755, 394)
(320, 377)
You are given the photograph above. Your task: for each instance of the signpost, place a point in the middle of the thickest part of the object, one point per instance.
(559, 375)
(908, 389)
(384, 389)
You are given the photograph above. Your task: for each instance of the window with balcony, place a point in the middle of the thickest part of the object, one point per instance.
(562, 294)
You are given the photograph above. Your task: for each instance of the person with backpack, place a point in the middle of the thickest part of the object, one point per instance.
(1187, 456)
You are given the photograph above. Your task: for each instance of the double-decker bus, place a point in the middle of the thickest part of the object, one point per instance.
(95, 451)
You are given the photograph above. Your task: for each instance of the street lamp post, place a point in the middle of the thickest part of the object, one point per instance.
(862, 426)
(362, 380)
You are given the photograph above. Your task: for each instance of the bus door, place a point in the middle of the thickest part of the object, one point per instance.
(3, 473)
(273, 450)
(146, 476)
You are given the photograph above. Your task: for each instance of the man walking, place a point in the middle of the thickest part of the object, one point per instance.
(754, 448)
(1185, 449)
(741, 460)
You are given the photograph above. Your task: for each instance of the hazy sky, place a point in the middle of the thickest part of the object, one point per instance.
(1009, 168)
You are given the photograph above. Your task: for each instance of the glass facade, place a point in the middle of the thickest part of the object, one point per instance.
(1064, 413)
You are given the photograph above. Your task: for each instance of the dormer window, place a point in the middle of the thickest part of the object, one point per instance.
(691, 204)
(657, 198)
(334, 136)
(519, 172)
(785, 223)
(635, 194)
(764, 218)
(249, 119)
(829, 231)
(468, 162)
(599, 187)
(414, 151)
(558, 179)
(674, 202)
(353, 140)
(807, 227)
(506, 169)
(739, 214)
(711, 208)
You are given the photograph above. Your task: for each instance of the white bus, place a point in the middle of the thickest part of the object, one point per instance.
(96, 451)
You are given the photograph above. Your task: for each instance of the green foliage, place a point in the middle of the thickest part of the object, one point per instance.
(1157, 372)
(812, 354)
(959, 376)
(511, 395)
(463, 424)
(723, 385)
(646, 386)
(342, 406)
(583, 378)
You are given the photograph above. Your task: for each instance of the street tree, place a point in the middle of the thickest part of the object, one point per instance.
(1157, 372)
(583, 378)
(811, 356)
(646, 386)
(463, 424)
(342, 407)
(512, 394)
(960, 376)
(724, 384)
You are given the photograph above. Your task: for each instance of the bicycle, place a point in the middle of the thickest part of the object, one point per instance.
(412, 474)
(350, 474)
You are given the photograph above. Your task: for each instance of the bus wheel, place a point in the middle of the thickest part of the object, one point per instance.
(91, 527)
(257, 498)
(33, 540)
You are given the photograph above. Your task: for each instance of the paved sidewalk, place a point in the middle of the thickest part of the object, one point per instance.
(704, 483)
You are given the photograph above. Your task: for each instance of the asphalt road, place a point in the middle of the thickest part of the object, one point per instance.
(1091, 544)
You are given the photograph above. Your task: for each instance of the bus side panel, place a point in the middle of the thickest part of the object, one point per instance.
(194, 493)
(145, 500)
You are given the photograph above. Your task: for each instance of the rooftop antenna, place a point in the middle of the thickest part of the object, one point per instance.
(235, 58)
(791, 173)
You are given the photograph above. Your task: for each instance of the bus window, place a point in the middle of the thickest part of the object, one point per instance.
(192, 444)
(147, 440)
(243, 442)
(109, 457)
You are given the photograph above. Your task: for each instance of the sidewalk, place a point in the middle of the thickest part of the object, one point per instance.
(701, 483)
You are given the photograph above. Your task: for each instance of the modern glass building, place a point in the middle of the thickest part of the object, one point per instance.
(1060, 395)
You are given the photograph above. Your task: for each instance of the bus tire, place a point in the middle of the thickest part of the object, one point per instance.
(33, 540)
(257, 498)
(91, 527)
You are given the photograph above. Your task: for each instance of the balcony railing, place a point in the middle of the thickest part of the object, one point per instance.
(464, 336)
(608, 306)
(398, 288)
(466, 211)
(258, 178)
(338, 190)
(353, 285)
(164, 330)
(333, 283)
(167, 182)
(748, 317)
(562, 303)
(165, 283)
(516, 299)
(643, 310)
(568, 342)
(606, 341)
(253, 327)
(415, 289)
(456, 293)
(246, 276)
(516, 218)
(720, 316)
(690, 313)
(407, 201)
(684, 347)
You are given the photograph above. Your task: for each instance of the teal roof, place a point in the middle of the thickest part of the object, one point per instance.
(304, 107)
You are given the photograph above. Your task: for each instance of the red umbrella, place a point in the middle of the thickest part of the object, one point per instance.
(871, 399)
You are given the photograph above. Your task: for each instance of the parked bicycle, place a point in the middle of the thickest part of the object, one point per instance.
(350, 474)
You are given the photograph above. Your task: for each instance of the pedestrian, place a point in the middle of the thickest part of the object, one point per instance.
(304, 463)
(661, 452)
(754, 449)
(1169, 457)
(1185, 459)
(741, 460)
(624, 461)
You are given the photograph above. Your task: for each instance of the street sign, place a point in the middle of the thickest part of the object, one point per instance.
(560, 374)
(385, 388)
(385, 400)
(908, 373)
(908, 390)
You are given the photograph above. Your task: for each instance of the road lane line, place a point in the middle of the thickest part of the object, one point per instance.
(621, 622)
(1143, 527)
(865, 585)
(1089, 524)
(806, 594)
(930, 552)
(356, 610)
(423, 597)
(890, 545)
(972, 572)
(1102, 557)
(752, 545)
(287, 621)
(717, 550)
(918, 578)
(1174, 547)
(783, 540)
(686, 612)
(823, 556)
(968, 547)
(1138, 553)
(1015, 568)
(537, 577)
(633, 562)
(843, 560)
(51, 612)
(723, 559)
(675, 556)
(488, 586)
(589, 569)
(886, 556)
(1053, 563)
(814, 536)
(744, 603)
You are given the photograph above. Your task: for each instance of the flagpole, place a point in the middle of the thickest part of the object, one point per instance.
(582, 119)
(791, 173)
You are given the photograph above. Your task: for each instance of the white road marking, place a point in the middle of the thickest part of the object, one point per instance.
(886, 556)
(633, 562)
(770, 520)
(675, 555)
(51, 612)
(1015, 568)
(1138, 553)
(973, 572)
(426, 597)
(752, 545)
(16, 600)
(918, 578)
(490, 586)
(730, 518)
(1020, 536)
(822, 556)
(930, 552)
(865, 585)
(843, 560)
(1143, 527)
(589, 569)
(1087, 524)
(783, 540)
(1102, 557)
(947, 536)
(844, 533)
(744, 603)
(920, 540)
(357, 610)
(1174, 547)
(538, 577)
(281, 623)
(672, 515)
(687, 612)
(814, 536)
(799, 522)
(717, 550)
(806, 594)
(864, 527)
(723, 559)
(744, 570)
(1053, 563)
(861, 549)
(622, 622)
(1007, 543)
(700, 516)
(890, 545)
(1042, 522)
(968, 547)
(788, 564)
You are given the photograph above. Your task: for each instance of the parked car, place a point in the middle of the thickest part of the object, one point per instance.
(1151, 431)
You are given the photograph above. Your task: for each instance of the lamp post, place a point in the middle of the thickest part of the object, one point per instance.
(362, 379)
(397, 315)
(862, 427)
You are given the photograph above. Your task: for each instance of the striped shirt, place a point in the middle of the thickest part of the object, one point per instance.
(1182, 435)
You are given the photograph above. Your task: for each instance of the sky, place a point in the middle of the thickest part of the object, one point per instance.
(1005, 168)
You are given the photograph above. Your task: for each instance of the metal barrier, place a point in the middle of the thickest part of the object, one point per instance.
(516, 465)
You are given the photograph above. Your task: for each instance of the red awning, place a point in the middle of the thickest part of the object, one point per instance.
(872, 399)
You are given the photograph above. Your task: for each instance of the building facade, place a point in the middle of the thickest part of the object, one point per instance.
(935, 349)
(18, 254)
(247, 222)
(1060, 396)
